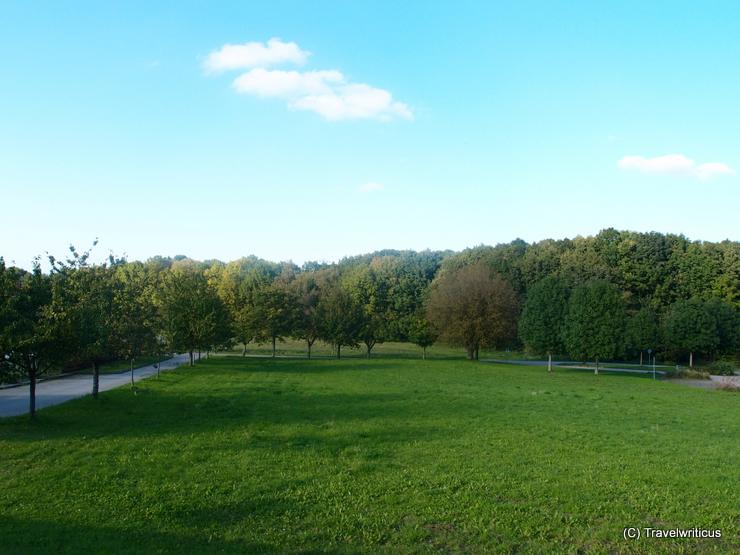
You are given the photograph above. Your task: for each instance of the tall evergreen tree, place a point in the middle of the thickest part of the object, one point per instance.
(543, 316)
(594, 325)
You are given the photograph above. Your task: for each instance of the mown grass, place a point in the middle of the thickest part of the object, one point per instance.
(392, 349)
(388, 456)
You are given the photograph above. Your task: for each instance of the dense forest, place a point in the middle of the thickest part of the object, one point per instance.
(612, 296)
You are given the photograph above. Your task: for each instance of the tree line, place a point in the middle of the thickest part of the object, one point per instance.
(610, 296)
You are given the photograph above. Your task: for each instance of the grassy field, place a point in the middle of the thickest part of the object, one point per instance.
(295, 348)
(389, 456)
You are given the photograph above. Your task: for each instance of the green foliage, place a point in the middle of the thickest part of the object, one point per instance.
(642, 331)
(101, 312)
(727, 321)
(135, 319)
(192, 314)
(690, 374)
(82, 309)
(276, 311)
(689, 327)
(28, 340)
(722, 368)
(594, 325)
(541, 322)
(307, 326)
(341, 316)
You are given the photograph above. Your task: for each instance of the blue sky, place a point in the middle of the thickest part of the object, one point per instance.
(365, 126)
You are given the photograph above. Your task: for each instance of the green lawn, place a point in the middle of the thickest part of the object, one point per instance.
(296, 348)
(385, 455)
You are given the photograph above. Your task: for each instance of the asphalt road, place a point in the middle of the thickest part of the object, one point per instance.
(14, 400)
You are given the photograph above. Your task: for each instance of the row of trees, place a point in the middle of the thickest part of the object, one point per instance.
(592, 322)
(605, 297)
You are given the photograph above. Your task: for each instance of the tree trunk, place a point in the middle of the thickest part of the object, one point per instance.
(691, 359)
(423, 353)
(159, 365)
(471, 353)
(308, 345)
(369, 345)
(273, 346)
(640, 357)
(549, 362)
(244, 351)
(191, 358)
(96, 380)
(131, 366)
(198, 354)
(339, 351)
(32, 390)
(596, 370)
(477, 352)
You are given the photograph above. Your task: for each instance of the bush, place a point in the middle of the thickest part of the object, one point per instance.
(689, 374)
(722, 368)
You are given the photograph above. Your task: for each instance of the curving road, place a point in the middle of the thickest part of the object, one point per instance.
(14, 400)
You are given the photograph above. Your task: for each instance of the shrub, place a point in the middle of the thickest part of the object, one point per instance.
(722, 368)
(689, 374)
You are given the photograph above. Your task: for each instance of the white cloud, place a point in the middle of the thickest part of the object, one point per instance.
(371, 187)
(286, 84)
(255, 54)
(327, 92)
(354, 101)
(675, 164)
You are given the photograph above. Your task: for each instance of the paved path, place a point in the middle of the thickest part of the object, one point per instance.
(14, 400)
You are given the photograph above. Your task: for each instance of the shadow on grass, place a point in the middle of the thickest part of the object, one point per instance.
(302, 414)
(46, 536)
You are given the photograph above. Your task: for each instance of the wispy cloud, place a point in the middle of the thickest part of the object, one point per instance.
(327, 92)
(255, 54)
(371, 187)
(675, 164)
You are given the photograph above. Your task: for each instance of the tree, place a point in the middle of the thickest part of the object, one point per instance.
(369, 291)
(82, 306)
(193, 316)
(594, 325)
(543, 317)
(340, 317)
(727, 320)
(134, 324)
(473, 308)
(237, 285)
(642, 331)
(690, 327)
(276, 310)
(421, 333)
(27, 337)
(306, 293)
